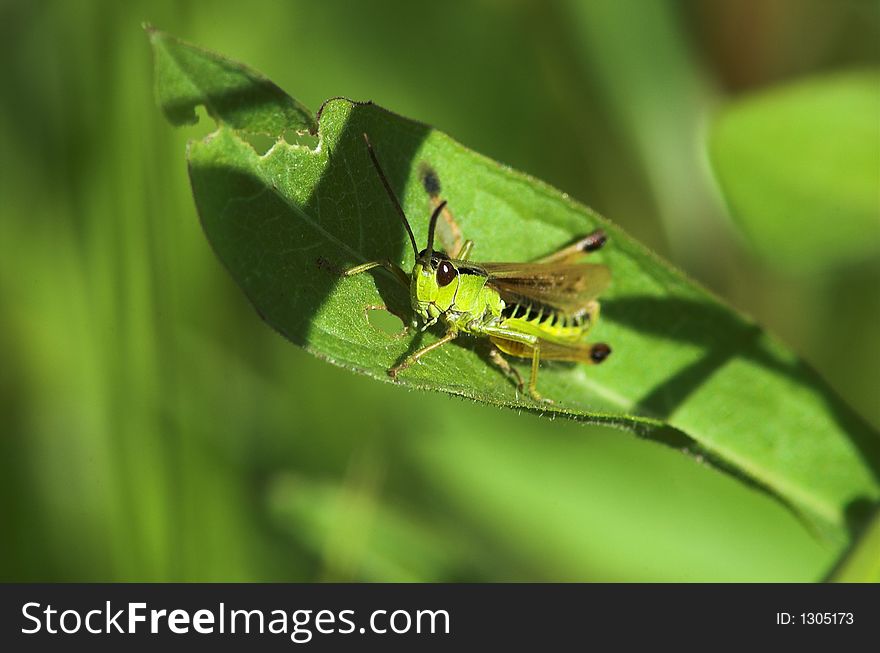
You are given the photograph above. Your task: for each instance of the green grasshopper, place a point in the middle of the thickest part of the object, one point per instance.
(538, 310)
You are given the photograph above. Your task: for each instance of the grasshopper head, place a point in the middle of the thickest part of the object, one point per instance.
(432, 290)
(434, 283)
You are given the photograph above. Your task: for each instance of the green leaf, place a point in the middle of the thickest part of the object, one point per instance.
(861, 564)
(362, 538)
(799, 166)
(233, 94)
(686, 369)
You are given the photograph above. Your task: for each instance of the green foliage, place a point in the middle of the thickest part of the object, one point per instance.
(862, 563)
(153, 428)
(686, 369)
(799, 166)
(233, 94)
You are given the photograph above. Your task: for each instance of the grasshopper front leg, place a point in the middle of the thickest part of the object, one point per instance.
(415, 356)
(399, 275)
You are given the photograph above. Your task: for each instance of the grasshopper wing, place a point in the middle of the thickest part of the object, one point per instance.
(566, 287)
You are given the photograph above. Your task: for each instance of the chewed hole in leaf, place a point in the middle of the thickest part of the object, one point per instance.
(302, 138)
(383, 320)
(261, 143)
(203, 126)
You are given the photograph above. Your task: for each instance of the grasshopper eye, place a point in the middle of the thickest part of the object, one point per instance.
(446, 272)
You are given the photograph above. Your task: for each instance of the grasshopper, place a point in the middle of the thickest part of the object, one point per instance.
(540, 310)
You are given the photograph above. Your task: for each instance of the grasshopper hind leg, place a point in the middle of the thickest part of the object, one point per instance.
(523, 346)
(592, 242)
(533, 378)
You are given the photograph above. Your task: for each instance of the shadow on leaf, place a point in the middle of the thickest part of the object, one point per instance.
(725, 337)
(288, 257)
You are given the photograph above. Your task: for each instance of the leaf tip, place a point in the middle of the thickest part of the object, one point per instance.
(234, 94)
(154, 34)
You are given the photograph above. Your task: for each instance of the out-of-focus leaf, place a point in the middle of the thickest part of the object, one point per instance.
(286, 222)
(800, 168)
(566, 504)
(360, 538)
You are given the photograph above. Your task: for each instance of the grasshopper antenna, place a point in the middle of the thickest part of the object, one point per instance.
(432, 227)
(375, 160)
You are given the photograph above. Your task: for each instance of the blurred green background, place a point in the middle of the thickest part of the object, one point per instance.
(154, 429)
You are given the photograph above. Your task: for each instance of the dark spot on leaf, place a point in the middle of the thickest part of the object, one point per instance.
(430, 180)
(323, 264)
